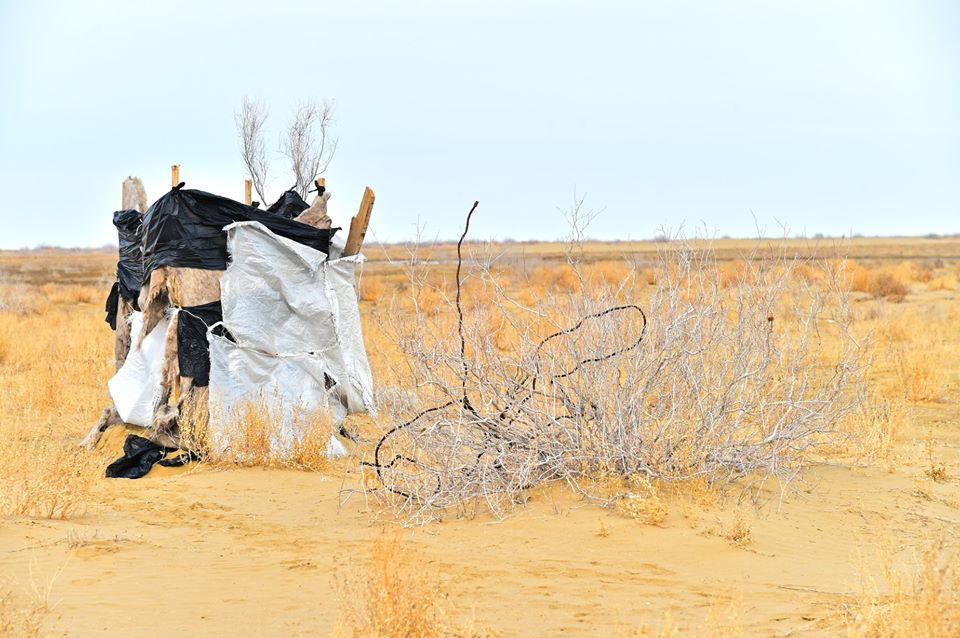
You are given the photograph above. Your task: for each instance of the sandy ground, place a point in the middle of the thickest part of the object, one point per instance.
(253, 552)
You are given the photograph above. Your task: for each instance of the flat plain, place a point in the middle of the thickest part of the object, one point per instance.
(862, 542)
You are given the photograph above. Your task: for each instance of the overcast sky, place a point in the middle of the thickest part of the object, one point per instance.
(827, 116)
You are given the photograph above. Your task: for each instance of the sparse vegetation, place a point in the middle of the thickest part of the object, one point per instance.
(56, 354)
(394, 596)
(919, 598)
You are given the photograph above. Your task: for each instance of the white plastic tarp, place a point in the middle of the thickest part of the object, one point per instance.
(299, 346)
(283, 298)
(135, 388)
(290, 389)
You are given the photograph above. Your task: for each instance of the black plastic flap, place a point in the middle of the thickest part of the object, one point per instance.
(193, 349)
(129, 225)
(289, 205)
(185, 228)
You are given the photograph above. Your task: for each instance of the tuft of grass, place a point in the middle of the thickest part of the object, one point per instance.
(920, 601)
(739, 533)
(46, 477)
(943, 282)
(371, 289)
(936, 469)
(254, 436)
(602, 530)
(394, 597)
(643, 501)
(18, 620)
(887, 285)
(921, 375)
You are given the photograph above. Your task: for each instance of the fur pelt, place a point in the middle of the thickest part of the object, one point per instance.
(108, 418)
(316, 215)
(178, 287)
(122, 340)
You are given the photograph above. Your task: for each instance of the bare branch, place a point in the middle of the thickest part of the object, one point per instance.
(250, 129)
(309, 144)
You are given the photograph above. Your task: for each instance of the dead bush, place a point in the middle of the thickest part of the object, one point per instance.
(888, 285)
(696, 379)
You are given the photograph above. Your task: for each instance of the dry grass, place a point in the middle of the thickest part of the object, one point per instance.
(255, 436)
(922, 375)
(642, 501)
(17, 618)
(922, 599)
(46, 477)
(393, 597)
(739, 533)
(724, 620)
(56, 355)
(943, 282)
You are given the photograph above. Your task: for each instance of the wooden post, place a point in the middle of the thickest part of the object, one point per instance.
(248, 192)
(358, 225)
(175, 175)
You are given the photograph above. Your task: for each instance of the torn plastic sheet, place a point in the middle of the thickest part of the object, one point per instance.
(184, 228)
(129, 225)
(289, 390)
(193, 350)
(289, 205)
(284, 298)
(113, 305)
(135, 388)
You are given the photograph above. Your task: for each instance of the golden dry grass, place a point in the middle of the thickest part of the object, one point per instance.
(19, 619)
(394, 596)
(56, 355)
(916, 598)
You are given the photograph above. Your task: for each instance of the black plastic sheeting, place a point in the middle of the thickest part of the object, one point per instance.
(111, 307)
(193, 349)
(185, 228)
(129, 225)
(289, 205)
(140, 455)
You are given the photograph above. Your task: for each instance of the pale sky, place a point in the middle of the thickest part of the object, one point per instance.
(827, 116)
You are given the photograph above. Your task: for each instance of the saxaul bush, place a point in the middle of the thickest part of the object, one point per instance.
(698, 376)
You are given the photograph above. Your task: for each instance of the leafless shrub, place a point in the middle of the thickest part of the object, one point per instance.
(250, 120)
(309, 144)
(688, 379)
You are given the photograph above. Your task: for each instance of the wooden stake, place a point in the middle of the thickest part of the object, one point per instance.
(358, 225)
(248, 191)
(128, 194)
(175, 174)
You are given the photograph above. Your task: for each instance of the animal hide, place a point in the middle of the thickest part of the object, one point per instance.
(122, 342)
(316, 215)
(178, 287)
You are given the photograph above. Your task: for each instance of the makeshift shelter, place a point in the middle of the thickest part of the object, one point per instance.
(222, 306)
